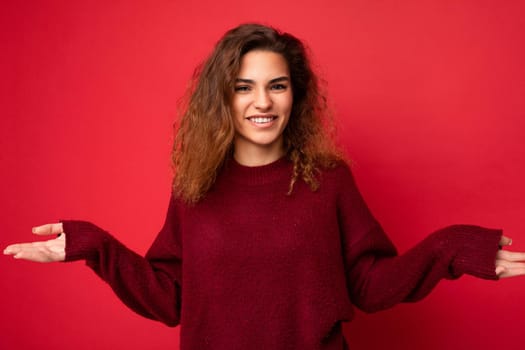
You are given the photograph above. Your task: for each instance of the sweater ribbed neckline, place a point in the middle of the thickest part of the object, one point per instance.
(279, 170)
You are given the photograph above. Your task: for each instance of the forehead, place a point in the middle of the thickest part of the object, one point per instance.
(263, 65)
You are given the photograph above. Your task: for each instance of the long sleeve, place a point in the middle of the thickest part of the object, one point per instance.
(149, 285)
(379, 278)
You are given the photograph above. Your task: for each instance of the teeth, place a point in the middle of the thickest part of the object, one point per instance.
(261, 120)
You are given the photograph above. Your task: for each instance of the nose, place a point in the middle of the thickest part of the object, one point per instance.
(262, 99)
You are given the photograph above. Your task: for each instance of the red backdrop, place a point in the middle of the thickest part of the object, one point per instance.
(430, 105)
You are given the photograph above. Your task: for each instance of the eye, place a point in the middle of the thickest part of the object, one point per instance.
(242, 88)
(278, 87)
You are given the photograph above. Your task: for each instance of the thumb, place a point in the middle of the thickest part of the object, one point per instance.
(504, 241)
(48, 229)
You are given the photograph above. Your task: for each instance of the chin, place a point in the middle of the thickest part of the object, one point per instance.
(265, 142)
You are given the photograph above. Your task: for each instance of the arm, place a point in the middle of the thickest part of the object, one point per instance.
(149, 285)
(378, 281)
(378, 277)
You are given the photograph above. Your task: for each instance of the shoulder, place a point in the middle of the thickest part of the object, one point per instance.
(338, 170)
(337, 177)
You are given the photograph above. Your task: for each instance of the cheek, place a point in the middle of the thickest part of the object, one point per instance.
(238, 106)
(288, 104)
(237, 113)
(234, 106)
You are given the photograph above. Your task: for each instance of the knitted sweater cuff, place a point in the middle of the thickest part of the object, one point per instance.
(83, 240)
(476, 251)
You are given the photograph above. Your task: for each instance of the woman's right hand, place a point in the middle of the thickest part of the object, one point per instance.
(42, 251)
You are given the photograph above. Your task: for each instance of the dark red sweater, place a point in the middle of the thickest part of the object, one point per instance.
(250, 267)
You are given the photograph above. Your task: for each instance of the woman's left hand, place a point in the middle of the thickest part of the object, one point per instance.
(509, 264)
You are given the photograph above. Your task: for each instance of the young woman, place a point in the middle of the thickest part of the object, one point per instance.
(267, 242)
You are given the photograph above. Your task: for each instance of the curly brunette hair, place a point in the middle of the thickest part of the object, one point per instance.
(204, 136)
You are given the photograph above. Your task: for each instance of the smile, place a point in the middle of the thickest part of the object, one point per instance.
(262, 119)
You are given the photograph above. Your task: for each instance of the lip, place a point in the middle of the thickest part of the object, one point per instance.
(262, 116)
(251, 118)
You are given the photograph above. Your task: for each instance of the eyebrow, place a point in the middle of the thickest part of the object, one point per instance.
(250, 81)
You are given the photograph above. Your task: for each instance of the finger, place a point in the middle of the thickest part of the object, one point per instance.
(48, 229)
(511, 272)
(11, 249)
(40, 251)
(510, 264)
(510, 256)
(16, 248)
(500, 270)
(36, 254)
(504, 241)
(21, 249)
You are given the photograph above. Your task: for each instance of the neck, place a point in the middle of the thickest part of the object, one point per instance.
(252, 155)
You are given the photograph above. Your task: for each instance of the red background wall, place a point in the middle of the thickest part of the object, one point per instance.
(430, 105)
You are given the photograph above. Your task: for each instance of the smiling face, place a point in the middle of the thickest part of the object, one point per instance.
(261, 107)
